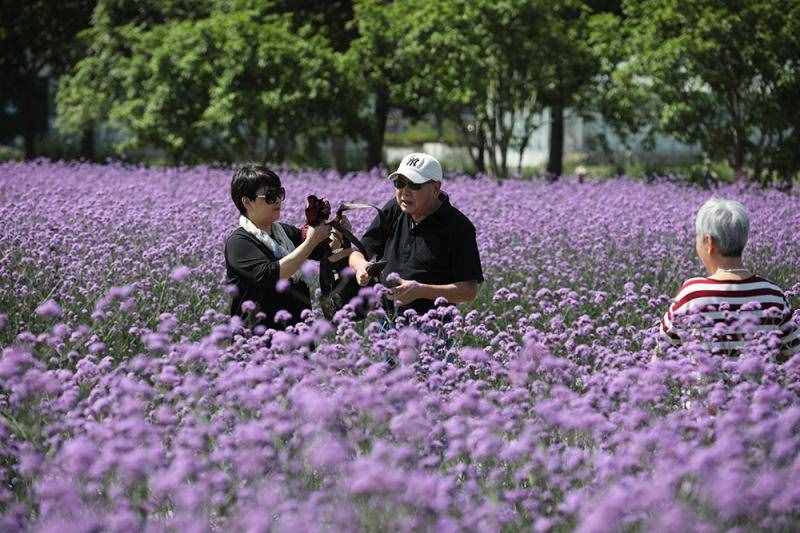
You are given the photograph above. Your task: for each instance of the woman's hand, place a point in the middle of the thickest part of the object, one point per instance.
(362, 276)
(318, 234)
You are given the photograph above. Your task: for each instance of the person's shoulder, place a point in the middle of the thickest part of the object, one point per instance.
(690, 286)
(457, 220)
(690, 282)
(390, 212)
(753, 283)
(391, 206)
(238, 240)
(237, 235)
(701, 287)
(767, 284)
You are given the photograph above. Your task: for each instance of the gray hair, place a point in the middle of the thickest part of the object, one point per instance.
(726, 221)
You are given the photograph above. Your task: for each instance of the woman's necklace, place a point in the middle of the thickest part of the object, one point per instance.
(732, 270)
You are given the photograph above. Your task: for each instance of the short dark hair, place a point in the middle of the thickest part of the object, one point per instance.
(248, 180)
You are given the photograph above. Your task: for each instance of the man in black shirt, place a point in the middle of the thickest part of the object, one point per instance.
(426, 241)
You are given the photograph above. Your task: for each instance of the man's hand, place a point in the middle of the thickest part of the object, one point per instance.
(406, 292)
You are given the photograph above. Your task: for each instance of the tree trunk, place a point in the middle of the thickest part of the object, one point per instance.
(503, 159)
(251, 136)
(522, 145)
(308, 145)
(494, 165)
(556, 152)
(28, 113)
(375, 139)
(88, 143)
(738, 155)
(175, 156)
(338, 153)
(476, 146)
(492, 142)
(480, 159)
(282, 148)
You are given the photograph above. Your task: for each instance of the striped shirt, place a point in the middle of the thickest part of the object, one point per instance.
(715, 306)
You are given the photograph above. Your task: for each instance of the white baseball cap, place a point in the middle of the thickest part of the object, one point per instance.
(419, 168)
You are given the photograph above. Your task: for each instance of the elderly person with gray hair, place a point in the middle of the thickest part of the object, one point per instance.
(721, 229)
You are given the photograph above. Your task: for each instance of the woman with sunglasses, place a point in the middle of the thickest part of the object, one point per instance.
(263, 257)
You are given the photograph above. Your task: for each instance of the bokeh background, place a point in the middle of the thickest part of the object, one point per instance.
(702, 89)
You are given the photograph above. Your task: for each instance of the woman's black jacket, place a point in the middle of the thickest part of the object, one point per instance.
(254, 270)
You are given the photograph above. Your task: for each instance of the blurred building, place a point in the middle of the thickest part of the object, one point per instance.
(589, 140)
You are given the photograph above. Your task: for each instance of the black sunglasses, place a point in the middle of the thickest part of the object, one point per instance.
(400, 182)
(273, 195)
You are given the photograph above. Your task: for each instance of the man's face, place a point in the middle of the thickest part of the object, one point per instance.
(416, 200)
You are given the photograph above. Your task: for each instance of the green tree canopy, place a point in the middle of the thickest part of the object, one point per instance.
(381, 64)
(231, 81)
(226, 79)
(724, 75)
(494, 66)
(37, 42)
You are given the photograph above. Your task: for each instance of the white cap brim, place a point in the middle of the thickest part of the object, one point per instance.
(411, 174)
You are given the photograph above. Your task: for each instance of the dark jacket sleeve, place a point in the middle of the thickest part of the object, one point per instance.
(464, 257)
(250, 263)
(379, 231)
(296, 236)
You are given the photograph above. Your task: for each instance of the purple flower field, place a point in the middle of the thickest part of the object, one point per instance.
(129, 401)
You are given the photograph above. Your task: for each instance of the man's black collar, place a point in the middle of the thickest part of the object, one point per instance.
(440, 211)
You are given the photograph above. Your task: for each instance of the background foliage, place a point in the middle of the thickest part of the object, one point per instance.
(223, 80)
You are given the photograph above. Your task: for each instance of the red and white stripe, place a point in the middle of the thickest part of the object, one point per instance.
(704, 296)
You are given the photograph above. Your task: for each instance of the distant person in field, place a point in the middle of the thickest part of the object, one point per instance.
(426, 241)
(263, 257)
(732, 302)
